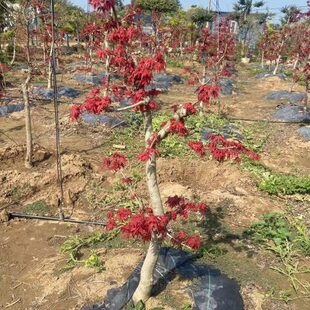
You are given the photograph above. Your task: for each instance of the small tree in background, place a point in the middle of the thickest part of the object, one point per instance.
(199, 16)
(215, 52)
(242, 11)
(25, 21)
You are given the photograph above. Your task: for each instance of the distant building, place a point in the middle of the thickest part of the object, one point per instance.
(256, 29)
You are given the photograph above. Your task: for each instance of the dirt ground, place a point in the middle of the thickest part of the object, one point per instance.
(31, 265)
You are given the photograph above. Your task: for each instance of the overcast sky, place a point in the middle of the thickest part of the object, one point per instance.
(226, 5)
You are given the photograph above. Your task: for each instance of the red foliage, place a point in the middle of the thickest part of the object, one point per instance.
(103, 5)
(198, 147)
(116, 162)
(143, 225)
(193, 242)
(75, 112)
(123, 214)
(177, 127)
(182, 207)
(147, 153)
(4, 68)
(126, 180)
(111, 221)
(96, 104)
(206, 92)
(142, 75)
(190, 108)
(222, 149)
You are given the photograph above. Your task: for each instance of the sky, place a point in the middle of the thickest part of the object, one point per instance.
(274, 6)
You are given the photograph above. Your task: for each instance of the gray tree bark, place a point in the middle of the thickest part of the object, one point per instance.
(143, 291)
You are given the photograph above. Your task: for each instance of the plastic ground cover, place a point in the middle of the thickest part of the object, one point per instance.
(93, 119)
(212, 290)
(305, 132)
(229, 131)
(292, 97)
(8, 109)
(62, 92)
(265, 75)
(163, 81)
(293, 113)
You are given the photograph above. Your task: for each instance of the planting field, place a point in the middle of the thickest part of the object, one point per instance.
(251, 206)
(153, 169)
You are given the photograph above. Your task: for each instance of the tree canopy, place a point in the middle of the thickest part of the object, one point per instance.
(243, 9)
(161, 6)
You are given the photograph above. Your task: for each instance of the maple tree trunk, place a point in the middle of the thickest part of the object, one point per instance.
(14, 51)
(277, 65)
(25, 90)
(49, 77)
(262, 60)
(50, 73)
(143, 291)
(44, 56)
(278, 59)
(29, 150)
(292, 86)
(107, 67)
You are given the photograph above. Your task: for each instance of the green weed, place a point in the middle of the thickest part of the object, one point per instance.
(75, 247)
(174, 63)
(39, 207)
(287, 237)
(93, 261)
(277, 183)
(256, 135)
(255, 70)
(285, 184)
(212, 251)
(18, 192)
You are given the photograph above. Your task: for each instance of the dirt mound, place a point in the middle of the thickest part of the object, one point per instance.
(205, 176)
(220, 185)
(20, 187)
(15, 153)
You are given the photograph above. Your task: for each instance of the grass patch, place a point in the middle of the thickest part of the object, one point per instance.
(174, 63)
(278, 229)
(39, 207)
(287, 237)
(120, 194)
(18, 192)
(176, 146)
(255, 70)
(256, 135)
(133, 142)
(277, 183)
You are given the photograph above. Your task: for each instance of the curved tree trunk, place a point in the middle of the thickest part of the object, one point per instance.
(275, 71)
(143, 291)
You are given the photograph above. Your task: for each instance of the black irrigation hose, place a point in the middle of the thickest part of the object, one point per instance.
(52, 218)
